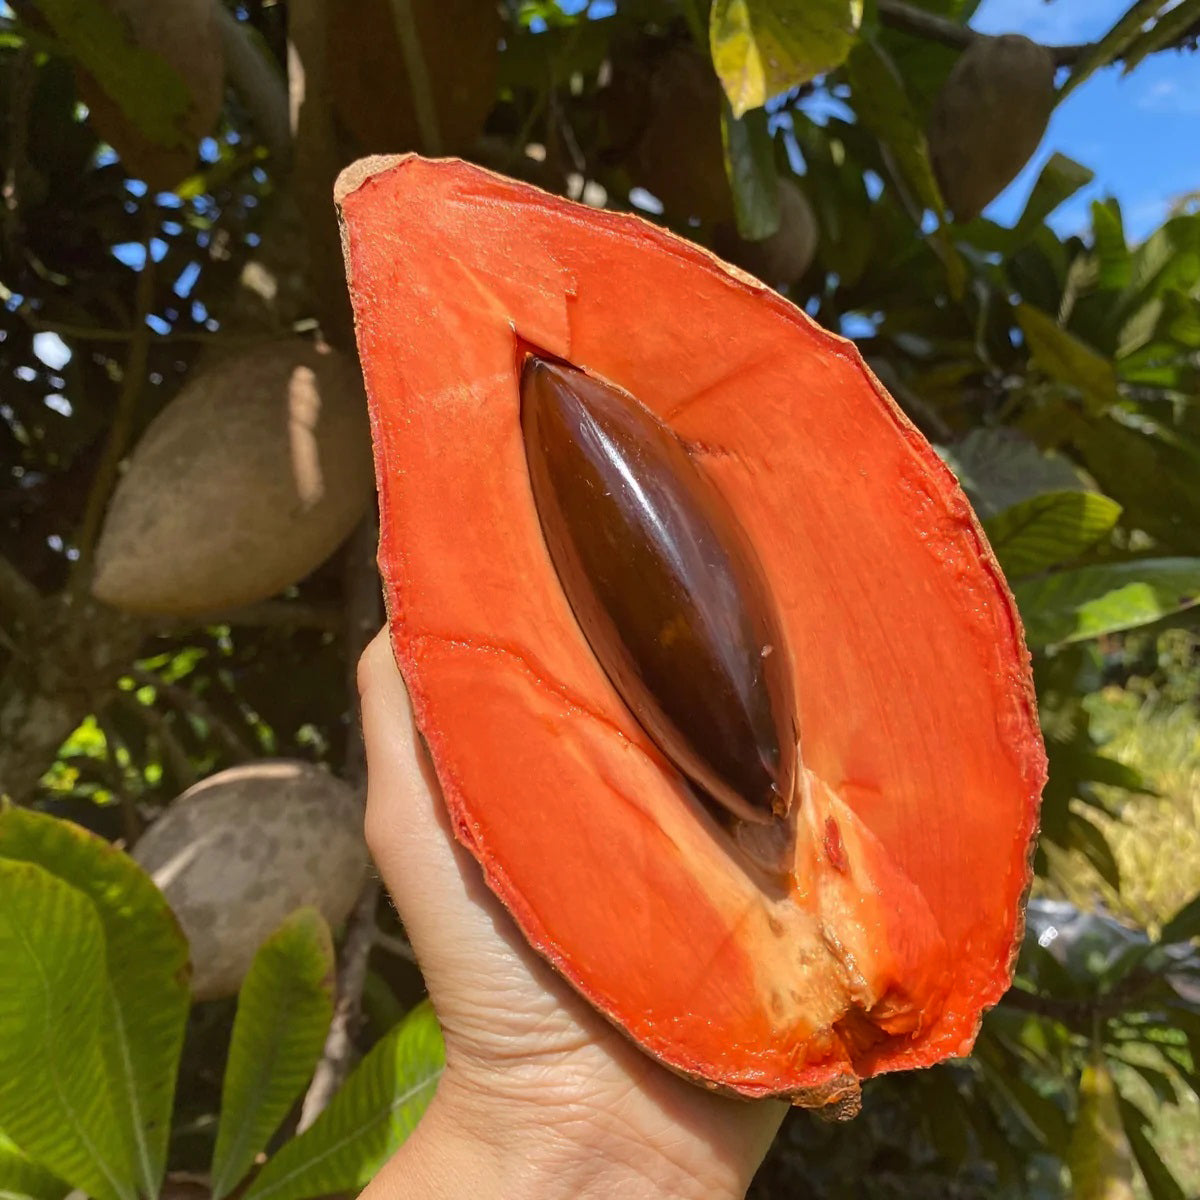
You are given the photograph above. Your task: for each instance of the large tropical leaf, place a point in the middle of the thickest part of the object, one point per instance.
(56, 1098)
(750, 165)
(23, 1179)
(1057, 182)
(373, 1113)
(1150, 463)
(1000, 468)
(147, 958)
(1074, 605)
(883, 106)
(763, 47)
(283, 1014)
(1160, 1183)
(1068, 360)
(1049, 529)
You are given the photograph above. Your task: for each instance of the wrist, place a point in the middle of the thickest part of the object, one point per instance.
(488, 1147)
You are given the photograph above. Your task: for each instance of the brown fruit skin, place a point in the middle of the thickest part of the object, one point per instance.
(239, 851)
(784, 257)
(667, 117)
(247, 481)
(369, 86)
(187, 35)
(988, 119)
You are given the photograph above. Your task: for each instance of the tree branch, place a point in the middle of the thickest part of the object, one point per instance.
(262, 88)
(18, 597)
(419, 84)
(122, 424)
(363, 617)
(269, 614)
(186, 701)
(907, 18)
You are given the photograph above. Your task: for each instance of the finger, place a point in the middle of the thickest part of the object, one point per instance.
(434, 883)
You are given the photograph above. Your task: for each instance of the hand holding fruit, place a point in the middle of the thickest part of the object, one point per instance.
(541, 1097)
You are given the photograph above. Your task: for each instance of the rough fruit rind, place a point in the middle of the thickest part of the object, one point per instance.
(988, 119)
(923, 758)
(186, 34)
(239, 851)
(247, 481)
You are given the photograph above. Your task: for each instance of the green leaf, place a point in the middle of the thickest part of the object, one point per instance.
(1099, 1156)
(1049, 529)
(1072, 606)
(372, 1114)
(56, 1099)
(284, 1009)
(1112, 252)
(1065, 358)
(750, 165)
(1113, 44)
(147, 960)
(763, 47)
(1057, 182)
(1160, 1183)
(1150, 462)
(23, 1179)
(144, 86)
(882, 105)
(999, 468)
(1088, 839)
(1185, 924)
(1168, 29)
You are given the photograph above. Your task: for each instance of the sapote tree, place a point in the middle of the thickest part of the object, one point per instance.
(830, 149)
(886, 918)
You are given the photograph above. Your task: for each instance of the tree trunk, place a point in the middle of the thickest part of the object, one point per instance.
(64, 665)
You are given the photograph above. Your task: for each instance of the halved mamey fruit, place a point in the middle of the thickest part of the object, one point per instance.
(866, 922)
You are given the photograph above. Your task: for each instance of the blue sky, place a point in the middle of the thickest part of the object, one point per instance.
(1140, 133)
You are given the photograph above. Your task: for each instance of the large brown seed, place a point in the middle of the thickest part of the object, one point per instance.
(665, 586)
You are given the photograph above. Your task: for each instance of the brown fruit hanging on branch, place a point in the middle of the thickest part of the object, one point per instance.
(239, 851)
(369, 82)
(247, 481)
(663, 112)
(988, 119)
(784, 257)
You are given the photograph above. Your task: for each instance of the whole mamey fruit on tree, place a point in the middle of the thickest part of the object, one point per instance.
(782, 258)
(722, 684)
(665, 114)
(988, 119)
(242, 849)
(369, 83)
(186, 35)
(247, 481)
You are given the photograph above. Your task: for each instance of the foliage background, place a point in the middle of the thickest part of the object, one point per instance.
(1057, 372)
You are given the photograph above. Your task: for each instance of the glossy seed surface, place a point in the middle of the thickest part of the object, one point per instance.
(665, 586)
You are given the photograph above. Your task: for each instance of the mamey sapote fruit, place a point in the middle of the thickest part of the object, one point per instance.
(239, 851)
(862, 920)
(988, 118)
(368, 78)
(663, 113)
(247, 481)
(782, 258)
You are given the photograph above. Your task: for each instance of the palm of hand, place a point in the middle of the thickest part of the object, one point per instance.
(525, 1055)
